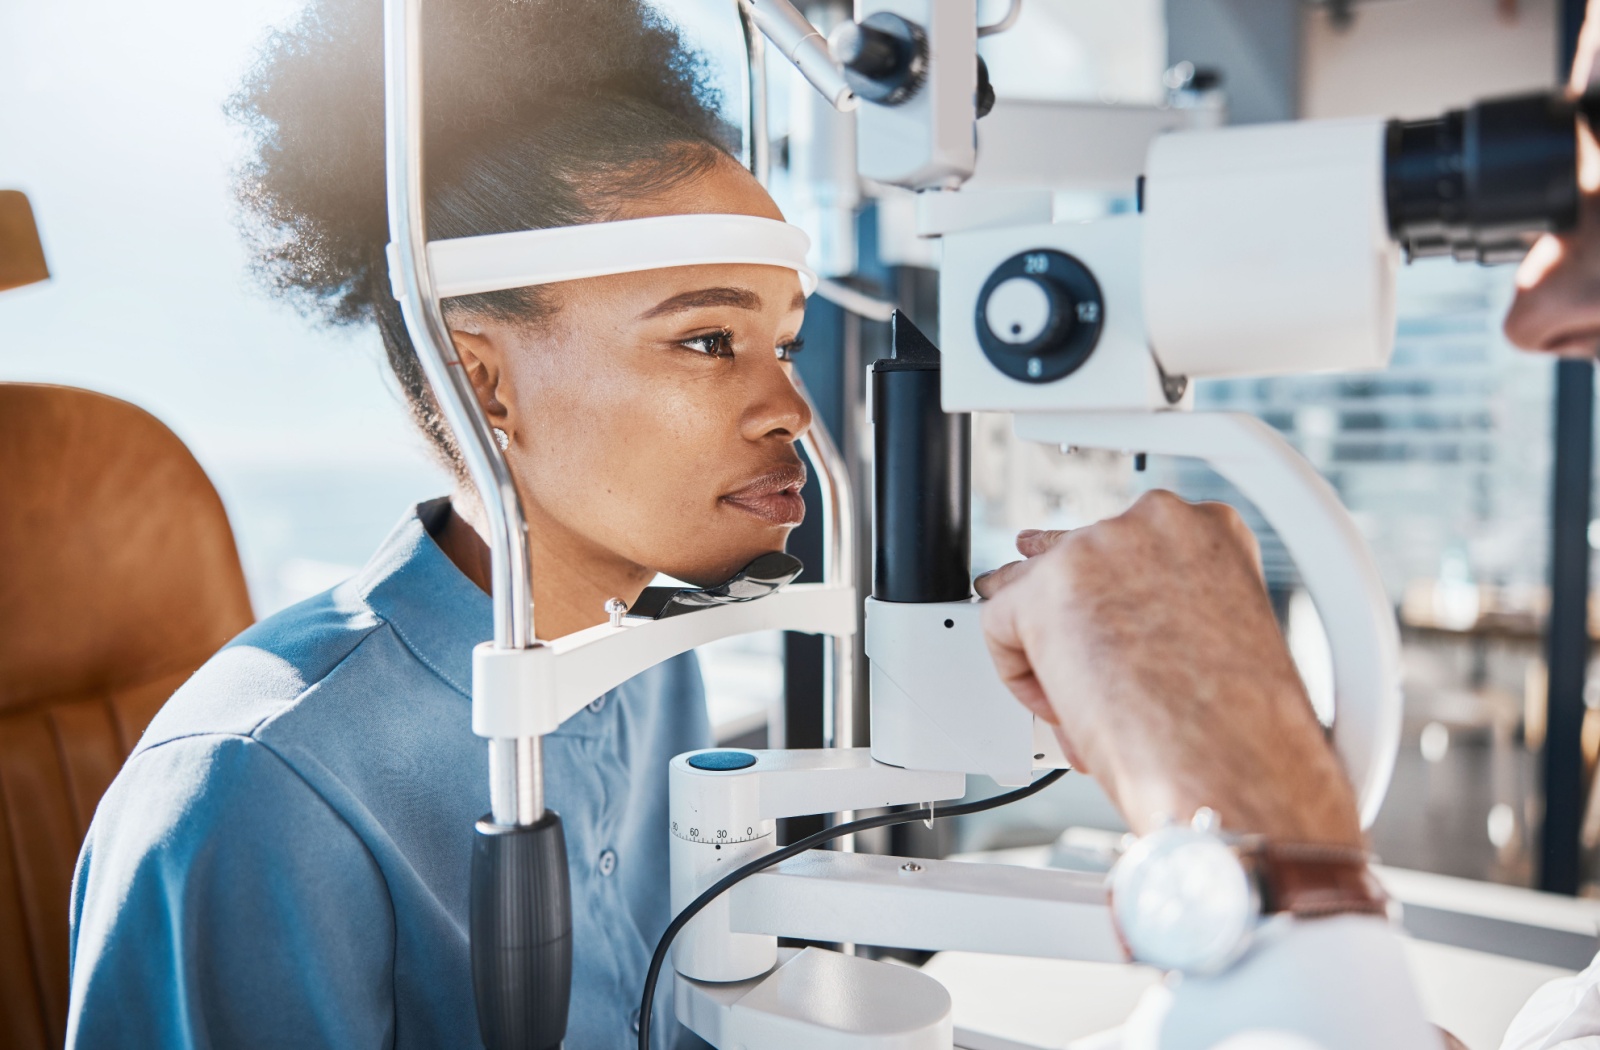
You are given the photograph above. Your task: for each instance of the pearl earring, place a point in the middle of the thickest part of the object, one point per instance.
(502, 439)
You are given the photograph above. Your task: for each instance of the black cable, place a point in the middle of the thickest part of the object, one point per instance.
(647, 999)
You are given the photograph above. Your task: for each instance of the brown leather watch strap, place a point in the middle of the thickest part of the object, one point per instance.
(1310, 881)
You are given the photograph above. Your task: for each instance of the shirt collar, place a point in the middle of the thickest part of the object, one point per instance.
(438, 612)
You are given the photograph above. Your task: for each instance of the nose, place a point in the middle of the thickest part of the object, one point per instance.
(1557, 304)
(777, 409)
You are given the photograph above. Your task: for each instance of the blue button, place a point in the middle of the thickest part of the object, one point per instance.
(597, 705)
(608, 862)
(722, 761)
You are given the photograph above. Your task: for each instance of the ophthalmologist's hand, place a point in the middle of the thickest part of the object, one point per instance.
(1149, 642)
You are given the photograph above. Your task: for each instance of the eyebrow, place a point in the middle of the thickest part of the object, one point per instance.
(738, 298)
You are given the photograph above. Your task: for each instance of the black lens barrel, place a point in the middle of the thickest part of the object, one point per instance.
(1479, 183)
(922, 478)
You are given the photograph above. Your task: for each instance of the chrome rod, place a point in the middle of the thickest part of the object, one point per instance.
(511, 584)
(503, 781)
(833, 476)
(838, 559)
(839, 566)
(516, 780)
(803, 45)
(755, 48)
(530, 779)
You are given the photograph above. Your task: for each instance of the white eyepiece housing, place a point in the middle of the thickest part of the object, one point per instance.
(1266, 250)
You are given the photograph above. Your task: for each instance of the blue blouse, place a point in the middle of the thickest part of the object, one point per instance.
(283, 860)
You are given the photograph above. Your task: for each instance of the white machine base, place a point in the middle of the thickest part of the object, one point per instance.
(938, 702)
(815, 998)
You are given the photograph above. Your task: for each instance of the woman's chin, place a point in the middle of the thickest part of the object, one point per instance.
(710, 574)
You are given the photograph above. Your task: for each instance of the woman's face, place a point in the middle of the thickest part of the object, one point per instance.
(653, 418)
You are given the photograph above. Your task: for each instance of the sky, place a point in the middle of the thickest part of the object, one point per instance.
(111, 121)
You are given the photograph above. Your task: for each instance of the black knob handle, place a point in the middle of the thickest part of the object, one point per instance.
(1039, 316)
(521, 930)
(885, 57)
(867, 51)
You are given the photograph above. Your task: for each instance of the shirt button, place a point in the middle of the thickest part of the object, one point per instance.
(597, 704)
(633, 1020)
(608, 862)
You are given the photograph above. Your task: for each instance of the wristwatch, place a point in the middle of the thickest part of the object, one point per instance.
(1189, 898)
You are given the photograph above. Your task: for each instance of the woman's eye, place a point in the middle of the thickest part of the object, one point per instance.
(786, 351)
(712, 344)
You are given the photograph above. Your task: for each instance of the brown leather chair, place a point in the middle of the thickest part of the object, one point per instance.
(118, 578)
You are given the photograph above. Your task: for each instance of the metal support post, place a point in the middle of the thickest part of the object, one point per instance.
(1567, 629)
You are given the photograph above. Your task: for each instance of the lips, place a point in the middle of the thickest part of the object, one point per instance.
(774, 497)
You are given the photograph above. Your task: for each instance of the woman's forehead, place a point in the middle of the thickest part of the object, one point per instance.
(725, 188)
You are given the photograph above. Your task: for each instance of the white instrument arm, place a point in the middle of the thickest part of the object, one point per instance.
(530, 692)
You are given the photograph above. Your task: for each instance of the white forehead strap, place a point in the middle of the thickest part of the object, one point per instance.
(497, 261)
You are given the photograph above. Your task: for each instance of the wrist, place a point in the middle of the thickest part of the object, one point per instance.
(1312, 811)
(1190, 897)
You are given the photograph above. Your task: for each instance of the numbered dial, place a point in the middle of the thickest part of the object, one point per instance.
(1039, 316)
(710, 836)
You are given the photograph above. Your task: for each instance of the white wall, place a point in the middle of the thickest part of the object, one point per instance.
(1078, 49)
(1414, 58)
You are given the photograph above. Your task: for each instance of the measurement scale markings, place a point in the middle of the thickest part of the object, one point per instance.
(717, 836)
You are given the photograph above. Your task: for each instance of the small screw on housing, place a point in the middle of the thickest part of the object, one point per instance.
(616, 608)
(911, 867)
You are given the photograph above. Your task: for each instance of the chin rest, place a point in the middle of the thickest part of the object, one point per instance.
(761, 577)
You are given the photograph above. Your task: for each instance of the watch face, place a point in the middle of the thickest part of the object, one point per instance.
(1184, 901)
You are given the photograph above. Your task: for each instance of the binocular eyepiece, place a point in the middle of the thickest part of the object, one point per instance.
(1480, 183)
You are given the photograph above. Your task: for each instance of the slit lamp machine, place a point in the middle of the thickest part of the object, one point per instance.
(1262, 250)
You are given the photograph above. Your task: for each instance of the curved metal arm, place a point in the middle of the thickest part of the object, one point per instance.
(1007, 20)
(859, 303)
(804, 45)
(516, 781)
(755, 49)
(1321, 537)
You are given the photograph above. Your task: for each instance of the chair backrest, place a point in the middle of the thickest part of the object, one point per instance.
(21, 255)
(118, 578)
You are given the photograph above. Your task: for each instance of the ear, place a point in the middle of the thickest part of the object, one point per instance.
(481, 357)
